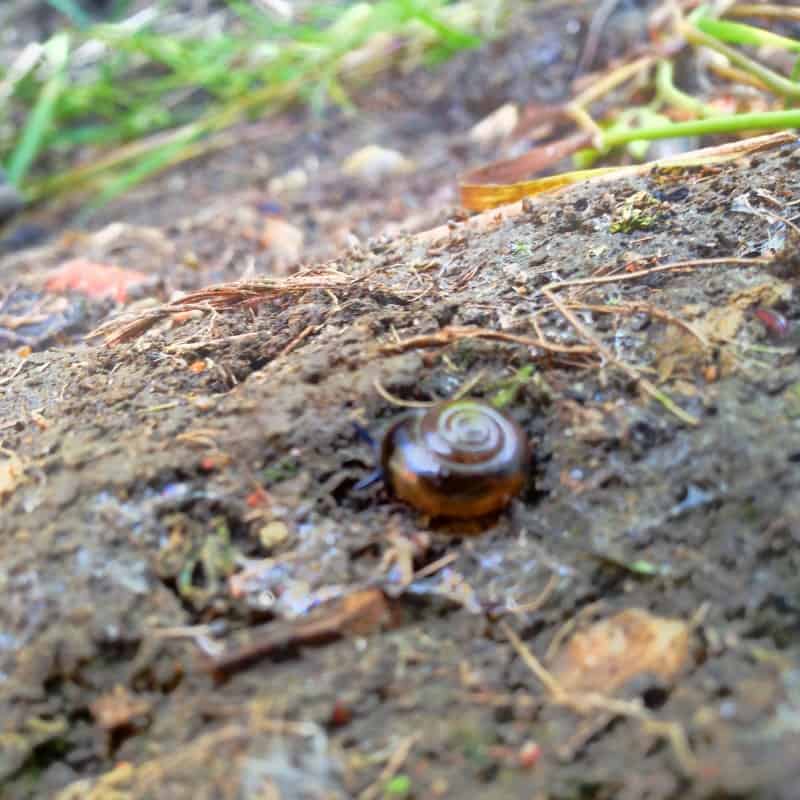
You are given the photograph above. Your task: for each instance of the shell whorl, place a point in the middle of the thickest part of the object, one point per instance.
(466, 434)
(460, 458)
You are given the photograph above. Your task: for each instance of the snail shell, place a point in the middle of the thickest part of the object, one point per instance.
(461, 458)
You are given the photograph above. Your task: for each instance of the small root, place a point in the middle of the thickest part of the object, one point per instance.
(592, 703)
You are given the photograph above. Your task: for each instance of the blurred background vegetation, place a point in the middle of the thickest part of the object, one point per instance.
(121, 89)
(98, 95)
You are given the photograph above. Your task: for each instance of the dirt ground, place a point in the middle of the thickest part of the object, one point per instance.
(624, 629)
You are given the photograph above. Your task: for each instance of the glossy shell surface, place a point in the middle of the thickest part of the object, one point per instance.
(459, 459)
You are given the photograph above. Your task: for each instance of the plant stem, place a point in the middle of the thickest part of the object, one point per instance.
(669, 93)
(766, 10)
(776, 83)
(613, 79)
(732, 123)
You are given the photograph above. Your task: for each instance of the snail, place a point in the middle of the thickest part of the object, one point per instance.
(461, 458)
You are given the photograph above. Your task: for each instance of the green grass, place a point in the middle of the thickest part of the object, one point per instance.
(105, 106)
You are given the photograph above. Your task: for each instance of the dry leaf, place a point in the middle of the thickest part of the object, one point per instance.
(685, 388)
(95, 280)
(273, 534)
(611, 652)
(666, 366)
(11, 473)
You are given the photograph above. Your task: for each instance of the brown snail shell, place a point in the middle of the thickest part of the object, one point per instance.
(462, 458)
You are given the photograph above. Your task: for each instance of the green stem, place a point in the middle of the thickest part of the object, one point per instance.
(733, 123)
(776, 83)
(673, 96)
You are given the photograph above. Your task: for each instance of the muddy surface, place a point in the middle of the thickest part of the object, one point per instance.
(190, 494)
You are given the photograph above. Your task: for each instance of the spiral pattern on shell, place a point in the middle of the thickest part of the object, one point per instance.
(467, 434)
(462, 458)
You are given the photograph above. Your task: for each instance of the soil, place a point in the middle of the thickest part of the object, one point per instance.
(195, 488)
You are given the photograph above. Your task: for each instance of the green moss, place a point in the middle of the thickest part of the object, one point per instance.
(640, 211)
(281, 470)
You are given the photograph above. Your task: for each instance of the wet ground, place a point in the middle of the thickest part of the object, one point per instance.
(625, 629)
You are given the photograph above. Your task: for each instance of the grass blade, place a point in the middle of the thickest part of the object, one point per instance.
(40, 119)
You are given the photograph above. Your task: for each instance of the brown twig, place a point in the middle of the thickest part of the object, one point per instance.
(768, 10)
(591, 43)
(540, 600)
(454, 333)
(398, 401)
(675, 266)
(14, 373)
(556, 693)
(435, 566)
(630, 370)
(462, 391)
(772, 215)
(494, 217)
(359, 613)
(396, 760)
(643, 308)
(202, 437)
(649, 388)
(773, 11)
(309, 330)
(202, 344)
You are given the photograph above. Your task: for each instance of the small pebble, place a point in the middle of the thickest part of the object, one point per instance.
(372, 163)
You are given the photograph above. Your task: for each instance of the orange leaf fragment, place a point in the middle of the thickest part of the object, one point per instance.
(95, 280)
(257, 498)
